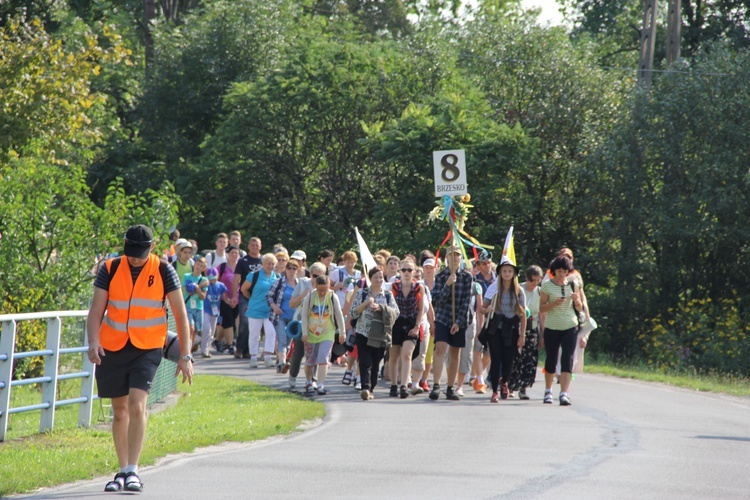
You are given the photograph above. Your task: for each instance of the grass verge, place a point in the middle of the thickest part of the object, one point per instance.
(720, 383)
(213, 410)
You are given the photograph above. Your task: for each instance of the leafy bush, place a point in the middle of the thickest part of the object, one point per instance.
(703, 334)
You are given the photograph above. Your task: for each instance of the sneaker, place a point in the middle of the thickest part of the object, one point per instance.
(219, 346)
(246, 355)
(403, 392)
(310, 389)
(504, 391)
(450, 395)
(564, 400)
(394, 391)
(424, 386)
(482, 388)
(358, 384)
(292, 382)
(512, 394)
(206, 355)
(522, 394)
(254, 362)
(476, 384)
(279, 368)
(365, 395)
(495, 398)
(230, 349)
(435, 392)
(547, 398)
(460, 392)
(322, 390)
(416, 389)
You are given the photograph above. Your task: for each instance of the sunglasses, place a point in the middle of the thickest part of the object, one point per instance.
(406, 270)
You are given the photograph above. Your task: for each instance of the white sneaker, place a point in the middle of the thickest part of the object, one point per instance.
(460, 392)
(254, 362)
(292, 382)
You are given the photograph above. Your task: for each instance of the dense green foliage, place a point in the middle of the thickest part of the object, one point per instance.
(297, 121)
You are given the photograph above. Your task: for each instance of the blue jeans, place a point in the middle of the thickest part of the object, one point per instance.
(281, 338)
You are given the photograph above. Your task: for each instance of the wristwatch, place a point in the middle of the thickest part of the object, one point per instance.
(187, 357)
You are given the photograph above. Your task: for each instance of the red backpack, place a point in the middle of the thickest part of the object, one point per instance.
(396, 289)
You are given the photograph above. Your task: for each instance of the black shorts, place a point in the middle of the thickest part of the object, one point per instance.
(400, 331)
(228, 314)
(128, 368)
(443, 334)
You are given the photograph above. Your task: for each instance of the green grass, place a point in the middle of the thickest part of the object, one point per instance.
(720, 383)
(214, 410)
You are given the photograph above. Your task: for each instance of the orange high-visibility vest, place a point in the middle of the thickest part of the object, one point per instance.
(135, 311)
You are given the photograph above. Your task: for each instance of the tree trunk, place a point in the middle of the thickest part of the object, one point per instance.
(150, 13)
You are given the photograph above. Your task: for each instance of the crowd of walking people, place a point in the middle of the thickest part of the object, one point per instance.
(412, 322)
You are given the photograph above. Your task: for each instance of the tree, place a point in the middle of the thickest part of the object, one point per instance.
(51, 123)
(292, 139)
(458, 117)
(196, 63)
(537, 79)
(671, 183)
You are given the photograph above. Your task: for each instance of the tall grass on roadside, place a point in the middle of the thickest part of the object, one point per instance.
(214, 410)
(688, 378)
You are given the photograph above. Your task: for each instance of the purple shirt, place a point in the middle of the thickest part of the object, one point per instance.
(227, 278)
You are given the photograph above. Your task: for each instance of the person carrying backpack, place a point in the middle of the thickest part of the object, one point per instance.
(321, 318)
(375, 310)
(407, 331)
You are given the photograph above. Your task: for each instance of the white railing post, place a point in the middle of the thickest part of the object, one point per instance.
(87, 387)
(7, 347)
(51, 364)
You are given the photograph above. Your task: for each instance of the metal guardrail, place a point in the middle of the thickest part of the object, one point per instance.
(164, 381)
(51, 353)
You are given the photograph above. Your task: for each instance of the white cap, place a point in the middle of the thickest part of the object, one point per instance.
(299, 255)
(429, 262)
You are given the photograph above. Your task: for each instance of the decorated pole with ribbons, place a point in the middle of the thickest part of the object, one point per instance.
(452, 190)
(454, 211)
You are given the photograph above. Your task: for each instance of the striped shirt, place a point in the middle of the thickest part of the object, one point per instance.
(562, 317)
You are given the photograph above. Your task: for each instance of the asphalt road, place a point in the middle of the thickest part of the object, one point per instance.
(619, 439)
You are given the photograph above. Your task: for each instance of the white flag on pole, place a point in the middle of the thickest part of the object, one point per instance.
(368, 262)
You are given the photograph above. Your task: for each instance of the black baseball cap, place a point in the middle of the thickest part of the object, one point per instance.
(138, 241)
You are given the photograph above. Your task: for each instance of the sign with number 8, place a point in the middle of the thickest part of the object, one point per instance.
(450, 173)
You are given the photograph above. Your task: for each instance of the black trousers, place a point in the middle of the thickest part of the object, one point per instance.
(369, 362)
(503, 347)
(553, 341)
